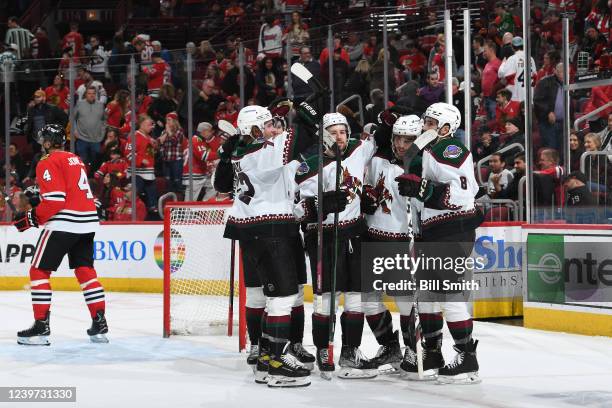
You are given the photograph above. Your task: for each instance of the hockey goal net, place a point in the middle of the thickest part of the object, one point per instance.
(201, 271)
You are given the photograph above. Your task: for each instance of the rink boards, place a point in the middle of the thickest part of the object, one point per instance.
(128, 258)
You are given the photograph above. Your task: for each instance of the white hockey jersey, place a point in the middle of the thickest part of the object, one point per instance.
(264, 189)
(513, 70)
(355, 159)
(449, 164)
(391, 220)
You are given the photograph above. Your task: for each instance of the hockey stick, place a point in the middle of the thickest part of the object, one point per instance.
(230, 311)
(332, 303)
(414, 149)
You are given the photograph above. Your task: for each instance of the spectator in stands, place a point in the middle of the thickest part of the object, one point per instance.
(205, 147)
(597, 169)
(122, 211)
(296, 34)
(600, 96)
(580, 204)
(301, 90)
(506, 108)
(117, 109)
(214, 72)
(371, 48)
(505, 21)
(270, 38)
(499, 177)
(269, 82)
(165, 54)
(486, 145)
(145, 161)
(234, 13)
(511, 190)
(323, 58)
(434, 90)
(161, 106)
(506, 50)
(158, 74)
(231, 80)
(89, 129)
(376, 105)
(490, 79)
(341, 73)
(548, 108)
(377, 72)
(74, 40)
(478, 59)
(171, 143)
(227, 110)
(599, 17)
(57, 93)
(112, 135)
(413, 62)
(17, 163)
(114, 163)
(437, 59)
(29, 76)
(205, 106)
(206, 53)
(576, 151)
(593, 42)
(551, 59)
(31, 175)
(22, 37)
(515, 132)
(429, 34)
(358, 82)
(40, 114)
(89, 82)
(354, 47)
(606, 137)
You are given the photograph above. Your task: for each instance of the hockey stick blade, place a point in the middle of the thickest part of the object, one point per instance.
(306, 76)
(419, 144)
(227, 127)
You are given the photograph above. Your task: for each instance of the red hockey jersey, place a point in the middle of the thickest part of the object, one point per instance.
(145, 155)
(157, 75)
(204, 156)
(118, 166)
(67, 203)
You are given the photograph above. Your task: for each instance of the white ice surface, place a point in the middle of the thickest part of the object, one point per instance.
(138, 368)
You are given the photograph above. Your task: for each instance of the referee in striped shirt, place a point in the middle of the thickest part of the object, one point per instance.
(22, 37)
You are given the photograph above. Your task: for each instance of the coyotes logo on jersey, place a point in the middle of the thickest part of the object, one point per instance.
(384, 196)
(350, 184)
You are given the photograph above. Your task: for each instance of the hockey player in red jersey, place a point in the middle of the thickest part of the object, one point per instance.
(67, 212)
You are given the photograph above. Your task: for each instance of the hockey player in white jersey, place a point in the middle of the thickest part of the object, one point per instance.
(262, 219)
(356, 154)
(447, 189)
(388, 221)
(512, 70)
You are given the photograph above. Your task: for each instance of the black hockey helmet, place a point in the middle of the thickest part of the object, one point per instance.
(53, 133)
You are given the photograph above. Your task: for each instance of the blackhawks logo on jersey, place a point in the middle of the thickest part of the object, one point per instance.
(384, 196)
(350, 184)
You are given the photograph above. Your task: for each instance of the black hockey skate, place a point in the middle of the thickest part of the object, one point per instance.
(253, 356)
(389, 353)
(99, 328)
(432, 362)
(37, 335)
(354, 365)
(262, 367)
(298, 351)
(463, 369)
(287, 372)
(325, 364)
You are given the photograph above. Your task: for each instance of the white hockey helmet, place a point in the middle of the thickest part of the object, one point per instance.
(251, 116)
(445, 114)
(409, 125)
(331, 119)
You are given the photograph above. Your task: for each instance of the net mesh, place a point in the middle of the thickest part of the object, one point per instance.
(200, 261)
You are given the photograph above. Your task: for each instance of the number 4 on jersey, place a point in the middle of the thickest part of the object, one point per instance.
(83, 183)
(47, 175)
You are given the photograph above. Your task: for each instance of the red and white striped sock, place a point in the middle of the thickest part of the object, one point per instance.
(41, 292)
(92, 289)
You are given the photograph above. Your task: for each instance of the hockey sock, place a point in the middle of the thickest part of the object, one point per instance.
(461, 332)
(431, 323)
(254, 323)
(320, 330)
(278, 328)
(381, 325)
(92, 289)
(352, 328)
(407, 332)
(297, 324)
(264, 343)
(41, 292)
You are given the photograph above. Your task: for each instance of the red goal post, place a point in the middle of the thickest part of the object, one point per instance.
(198, 268)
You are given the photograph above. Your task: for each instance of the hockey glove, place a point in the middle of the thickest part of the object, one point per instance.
(25, 220)
(33, 195)
(334, 202)
(226, 150)
(369, 200)
(308, 114)
(280, 106)
(389, 116)
(411, 185)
